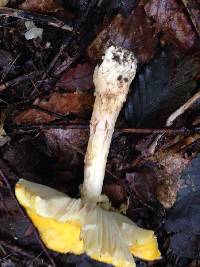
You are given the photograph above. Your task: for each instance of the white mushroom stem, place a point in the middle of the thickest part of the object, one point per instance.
(112, 80)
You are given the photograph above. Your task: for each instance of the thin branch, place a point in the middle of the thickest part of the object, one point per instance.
(43, 19)
(18, 80)
(178, 112)
(70, 125)
(19, 250)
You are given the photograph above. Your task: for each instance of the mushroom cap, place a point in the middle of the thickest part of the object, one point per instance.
(77, 226)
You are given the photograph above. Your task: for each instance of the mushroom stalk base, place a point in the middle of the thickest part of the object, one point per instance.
(105, 113)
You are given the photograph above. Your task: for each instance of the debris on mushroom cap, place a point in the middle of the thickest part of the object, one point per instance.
(72, 225)
(115, 73)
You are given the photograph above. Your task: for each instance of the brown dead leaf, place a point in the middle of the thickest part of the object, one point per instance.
(171, 19)
(170, 166)
(41, 6)
(164, 168)
(62, 104)
(193, 8)
(143, 183)
(68, 147)
(78, 78)
(134, 32)
(115, 192)
(59, 139)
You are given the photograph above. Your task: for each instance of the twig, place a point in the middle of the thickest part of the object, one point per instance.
(66, 64)
(173, 117)
(24, 215)
(43, 19)
(193, 11)
(71, 125)
(57, 115)
(18, 80)
(10, 67)
(16, 249)
(182, 109)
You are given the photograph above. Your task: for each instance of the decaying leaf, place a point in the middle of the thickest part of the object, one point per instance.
(41, 6)
(171, 19)
(183, 222)
(6, 61)
(60, 140)
(124, 6)
(3, 136)
(78, 78)
(143, 183)
(160, 89)
(169, 166)
(158, 177)
(190, 179)
(62, 104)
(115, 192)
(193, 9)
(134, 32)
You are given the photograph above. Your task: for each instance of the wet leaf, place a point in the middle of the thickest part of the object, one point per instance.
(3, 137)
(41, 6)
(29, 157)
(134, 32)
(143, 183)
(169, 167)
(62, 104)
(124, 6)
(59, 140)
(171, 19)
(190, 179)
(78, 78)
(159, 90)
(193, 8)
(6, 62)
(115, 193)
(68, 148)
(183, 222)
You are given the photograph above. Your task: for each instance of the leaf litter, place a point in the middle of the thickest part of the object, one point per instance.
(155, 177)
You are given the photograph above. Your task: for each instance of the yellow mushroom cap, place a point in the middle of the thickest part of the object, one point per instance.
(72, 225)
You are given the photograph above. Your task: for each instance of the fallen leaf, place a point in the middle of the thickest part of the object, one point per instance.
(143, 183)
(41, 6)
(183, 222)
(169, 167)
(6, 62)
(78, 78)
(62, 104)
(190, 179)
(193, 9)
(124, 6)
(159, 89)
(115, 193)
(68, 147)
(134, 32)
(171, 19)
(29, 157)
(59, 139)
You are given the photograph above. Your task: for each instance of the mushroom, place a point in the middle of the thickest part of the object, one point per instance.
(86, 225)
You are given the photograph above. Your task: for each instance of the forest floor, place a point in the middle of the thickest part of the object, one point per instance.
(48, 51)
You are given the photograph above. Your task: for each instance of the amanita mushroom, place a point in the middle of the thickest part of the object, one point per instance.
(84, 225)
